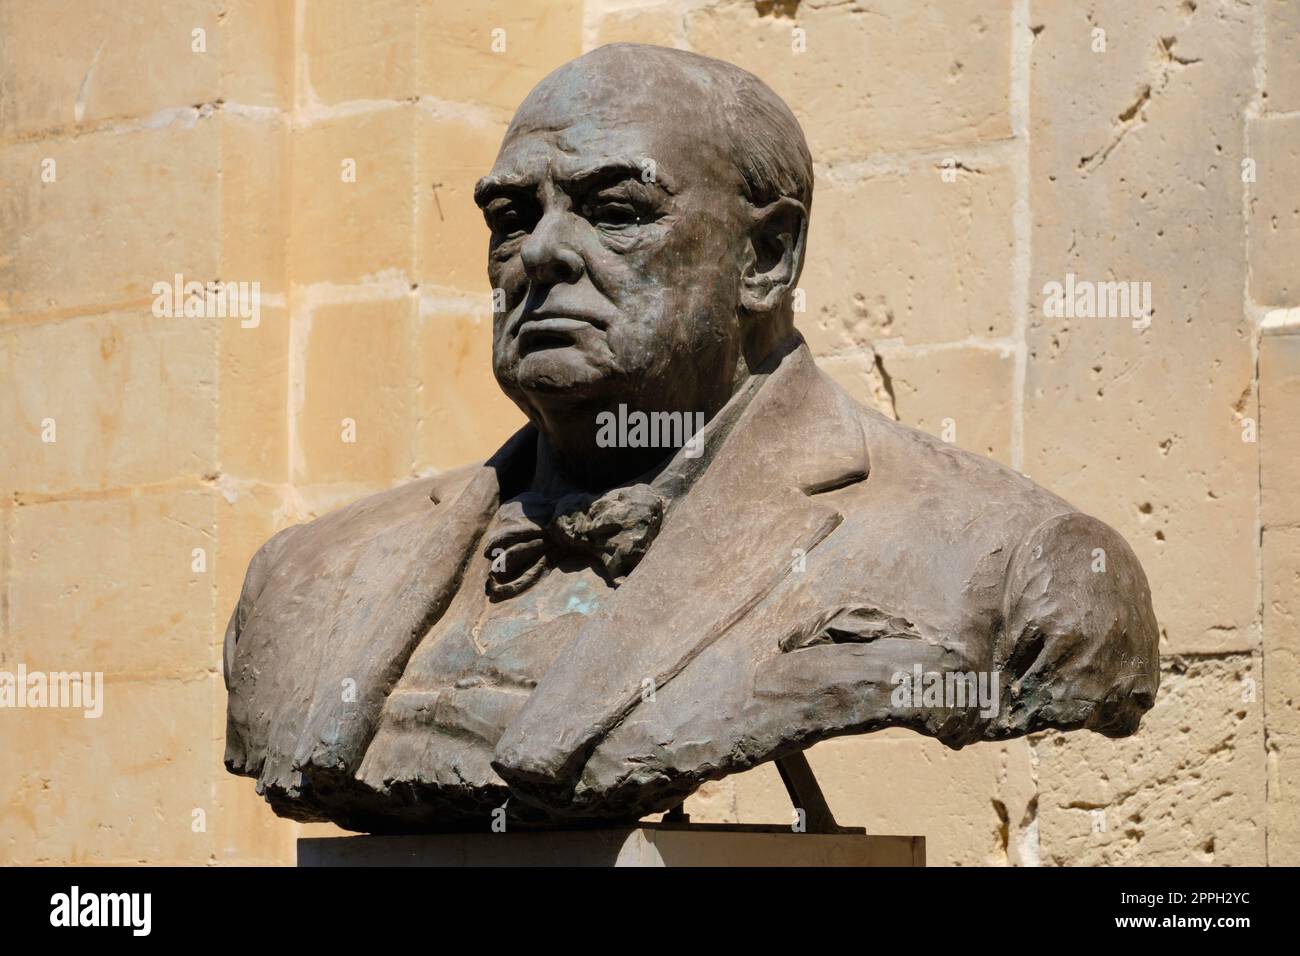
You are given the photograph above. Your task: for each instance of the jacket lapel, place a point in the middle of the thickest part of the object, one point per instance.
(370, 640)
(734, 538)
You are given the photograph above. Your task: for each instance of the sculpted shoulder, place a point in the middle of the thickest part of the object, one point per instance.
(332, 603)
(934, 515)
(351, 524)
(942, 473)
(1073, 633)
(341, 531)
(324, 551)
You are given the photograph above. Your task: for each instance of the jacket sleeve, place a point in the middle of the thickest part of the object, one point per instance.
(1080, 645)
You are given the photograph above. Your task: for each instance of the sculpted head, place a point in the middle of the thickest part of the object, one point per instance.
(648, 213)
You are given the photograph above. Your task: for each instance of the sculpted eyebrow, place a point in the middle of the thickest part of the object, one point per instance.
(608, 173)
(490, 187)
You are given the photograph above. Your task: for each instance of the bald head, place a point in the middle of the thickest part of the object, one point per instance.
(730, 107)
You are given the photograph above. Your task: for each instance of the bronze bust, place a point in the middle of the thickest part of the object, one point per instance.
(700, 555)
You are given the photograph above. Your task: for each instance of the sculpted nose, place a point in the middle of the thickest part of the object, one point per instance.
(548, 255)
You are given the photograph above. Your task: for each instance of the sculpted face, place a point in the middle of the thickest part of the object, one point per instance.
(618, 230)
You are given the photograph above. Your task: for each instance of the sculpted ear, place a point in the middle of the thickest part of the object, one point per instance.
(774, 258)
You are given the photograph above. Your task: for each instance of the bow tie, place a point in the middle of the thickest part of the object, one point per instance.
(531, 531)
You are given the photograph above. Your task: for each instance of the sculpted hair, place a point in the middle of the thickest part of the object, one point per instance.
(767, 143)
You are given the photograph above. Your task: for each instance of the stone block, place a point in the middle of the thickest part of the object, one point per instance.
(453, 153)
(493, 52)
(353, 179)
(1279, 429)
(842, 84)
(874, 270)
(661, 25)
(6, 563)
(1187, 789)
(1275, 211)
(114, 584)
(962, 395)
(356, 420)
(81, 62)
(1135, 177)
(1282, 55)
(123, 210)
(255, 195)
(256, 43)
(121, 788)
(1281, 590)
(355, 53)
(242, 829)
(127, 398)
(462, 414)
(254, 437)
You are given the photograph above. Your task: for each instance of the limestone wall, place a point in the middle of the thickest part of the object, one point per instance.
(968, 155)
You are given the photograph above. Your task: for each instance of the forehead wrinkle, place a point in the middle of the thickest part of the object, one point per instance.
(609, 168)
(563, 130)
(572, 101)
(520, 165)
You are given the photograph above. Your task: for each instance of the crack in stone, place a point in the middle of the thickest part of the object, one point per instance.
(79, 107)
(1132, 117)
(1127, 122)
(887, 383)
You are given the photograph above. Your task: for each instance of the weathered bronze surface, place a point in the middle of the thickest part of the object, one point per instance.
(593, 623)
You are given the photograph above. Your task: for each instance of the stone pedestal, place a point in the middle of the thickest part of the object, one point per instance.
(642, 845)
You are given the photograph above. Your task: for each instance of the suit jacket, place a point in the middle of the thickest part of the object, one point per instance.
(824, 550)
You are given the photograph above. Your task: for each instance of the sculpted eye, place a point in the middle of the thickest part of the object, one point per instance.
(505, 218)
(613, 215)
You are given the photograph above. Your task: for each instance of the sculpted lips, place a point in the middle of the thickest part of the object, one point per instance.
(551, 332)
